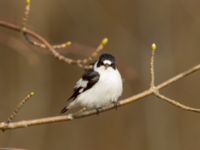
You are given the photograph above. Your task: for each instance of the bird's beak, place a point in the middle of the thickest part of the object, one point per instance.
(106, 66)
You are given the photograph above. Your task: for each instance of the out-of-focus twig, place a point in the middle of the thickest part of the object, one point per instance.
(37, 40)
(12, 148)
(29, 39)
(79, 62)
(19, 107)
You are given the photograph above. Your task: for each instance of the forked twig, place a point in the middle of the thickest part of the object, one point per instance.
(156, 91)
(84, 63)
(42, 42)
(29, 39)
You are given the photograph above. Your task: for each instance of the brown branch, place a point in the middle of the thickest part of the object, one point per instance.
(37, 44)
(33, 37)
(26, 14)
(83, 63)
(11, 148)
(153, 47)
(19, 106)
(29, 39)
(156, 91)
(131, 99)
(70, 117)
(175, 103)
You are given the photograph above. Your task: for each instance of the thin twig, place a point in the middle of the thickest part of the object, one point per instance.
(177, 104)
(11, 148)
(81, 63)
(42, 42)
(29, 39)
(63, 45)
(19, 107)
(153, 49)
(26, 14)
(94, 55)
(37, 44)
(156, 91)
(78, 62)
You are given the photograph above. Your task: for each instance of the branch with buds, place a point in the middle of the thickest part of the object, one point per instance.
(153, 90)
(37, 40)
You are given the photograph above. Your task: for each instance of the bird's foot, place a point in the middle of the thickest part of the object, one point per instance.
(82, 110)
(115, 104)
(98, 110)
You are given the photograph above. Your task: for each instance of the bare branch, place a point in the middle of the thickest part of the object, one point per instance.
(177, 104)
(37, 44)
(12, 148)
(156, 89)
(29, 39)
(37, 40)
(180, 76)
(26, 14)
(79, 62)
(19, 106)
(70, 117)
(153, 47)
(95, 54)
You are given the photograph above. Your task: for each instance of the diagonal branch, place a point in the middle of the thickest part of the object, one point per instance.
(177, 104)
(70, 117)
(83, 63)
(19, 107)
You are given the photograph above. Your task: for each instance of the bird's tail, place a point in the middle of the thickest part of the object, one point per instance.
(65, 109)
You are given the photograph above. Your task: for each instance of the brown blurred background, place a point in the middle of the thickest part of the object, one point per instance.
(131, 26)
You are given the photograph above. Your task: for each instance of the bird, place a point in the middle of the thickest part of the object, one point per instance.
(98, 87)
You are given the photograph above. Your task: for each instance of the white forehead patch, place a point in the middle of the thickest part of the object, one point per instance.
(107, 62)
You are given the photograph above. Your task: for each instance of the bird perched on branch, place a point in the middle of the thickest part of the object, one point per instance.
(98, 87)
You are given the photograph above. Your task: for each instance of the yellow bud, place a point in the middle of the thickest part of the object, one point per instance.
(32, 93)
(104, 41)
(68, 43)
(153, 46)
(28, 2)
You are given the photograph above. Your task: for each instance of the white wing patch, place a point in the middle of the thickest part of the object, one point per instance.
(81, 83)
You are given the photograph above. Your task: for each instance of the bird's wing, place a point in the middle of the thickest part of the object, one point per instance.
(89, 78)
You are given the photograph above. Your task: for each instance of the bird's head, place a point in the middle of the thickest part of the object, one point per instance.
(106, 61)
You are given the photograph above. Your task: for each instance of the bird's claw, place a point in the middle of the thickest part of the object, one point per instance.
(98, 110)
(115, 104)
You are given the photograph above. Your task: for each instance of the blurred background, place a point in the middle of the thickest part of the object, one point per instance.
(131, 26)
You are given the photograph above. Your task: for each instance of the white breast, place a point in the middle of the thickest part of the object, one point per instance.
(107, 90)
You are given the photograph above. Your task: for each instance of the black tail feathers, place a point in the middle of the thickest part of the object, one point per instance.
(65, 109)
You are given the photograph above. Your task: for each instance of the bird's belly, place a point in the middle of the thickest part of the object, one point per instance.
(101, 94)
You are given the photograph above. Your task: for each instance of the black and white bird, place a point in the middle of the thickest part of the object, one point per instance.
(98, 87)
